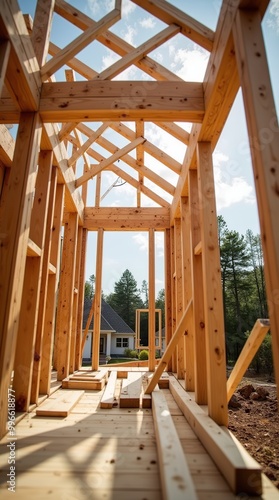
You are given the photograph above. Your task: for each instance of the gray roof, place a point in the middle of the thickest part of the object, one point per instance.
(110, 320)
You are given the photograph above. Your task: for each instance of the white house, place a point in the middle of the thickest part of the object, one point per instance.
(115, 336)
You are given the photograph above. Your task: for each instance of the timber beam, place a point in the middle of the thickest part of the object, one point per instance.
(122, 101)
(221, 84)
(25, 90)
(126, 219)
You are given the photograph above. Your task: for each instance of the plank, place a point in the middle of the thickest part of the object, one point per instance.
(241, 471)
(131, 391)
(108, 398)
(174, 471)
(5, 48)
(59, 405)
(94, 385)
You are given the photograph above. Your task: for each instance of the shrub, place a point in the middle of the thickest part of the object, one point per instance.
(127, 352)
(133, 354)
(143, 355)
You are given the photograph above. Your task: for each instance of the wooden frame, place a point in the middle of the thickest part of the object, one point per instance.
(55, 133)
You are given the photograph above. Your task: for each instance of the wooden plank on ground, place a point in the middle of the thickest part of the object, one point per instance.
(108, 396)
(131, 390)
(94, 385)
(240, 470)
(176, 479)
(59, 405)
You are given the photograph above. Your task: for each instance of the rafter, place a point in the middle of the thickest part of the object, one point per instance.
(78, 44)
(92, 138)
(95, 169)
(170, 14)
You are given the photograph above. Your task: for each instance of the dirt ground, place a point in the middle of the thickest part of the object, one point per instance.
(255, 423)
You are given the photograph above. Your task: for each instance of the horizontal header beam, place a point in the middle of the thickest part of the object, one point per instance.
(126, 219)
(122, 100)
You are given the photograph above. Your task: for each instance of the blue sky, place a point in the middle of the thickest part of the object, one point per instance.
(232, 165)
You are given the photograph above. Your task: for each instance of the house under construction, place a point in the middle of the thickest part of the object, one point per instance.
(149, 431)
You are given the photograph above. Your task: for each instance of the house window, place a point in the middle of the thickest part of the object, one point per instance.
(122, 342)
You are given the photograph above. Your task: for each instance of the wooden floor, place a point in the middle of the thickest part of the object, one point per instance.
(110, 454)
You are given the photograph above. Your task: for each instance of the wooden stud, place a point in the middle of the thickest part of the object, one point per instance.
(168, 317)
(79, 349)
(77, 286)
(187, 294)
(179, 296)
(65, 299)
(140, 158)
(263, 132)
(50, 354)
(25, 352)
(14, 230)
(151, 300)
(247, 354)
(213, 300)
(198, 297)
(97, 300)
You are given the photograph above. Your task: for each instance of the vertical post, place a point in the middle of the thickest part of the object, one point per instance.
(179, 294)
(23, 366)
(187, 295)
(5, 48)
(78, 358)
(213, 300)
(77, 290)
(168, 320)
(197, 287)
(98, 300)
(14, 232)
(65, 299)
(151, 300)
(51, 297)
(173, 297)
(263, 133)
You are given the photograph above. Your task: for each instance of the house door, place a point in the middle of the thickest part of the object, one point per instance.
(102, 345)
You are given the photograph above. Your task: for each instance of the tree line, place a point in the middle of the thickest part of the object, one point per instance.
(243, 287)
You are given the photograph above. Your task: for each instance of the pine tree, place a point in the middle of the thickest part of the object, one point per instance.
(126, 298)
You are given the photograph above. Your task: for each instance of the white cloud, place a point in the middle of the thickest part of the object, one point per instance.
(189, 64)
(141, 239)
(230, 188)
(127, 7)
(104, 6)
(129, 35)
(273, 20)
(147, 22)
(109, 59)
